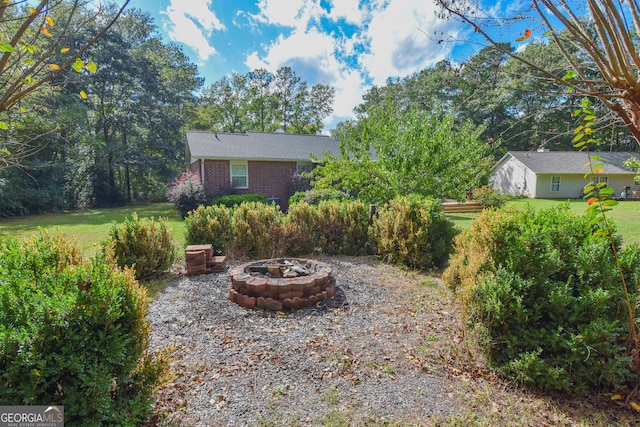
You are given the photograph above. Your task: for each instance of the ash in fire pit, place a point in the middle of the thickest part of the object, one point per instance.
(286, 268)
(276, 284)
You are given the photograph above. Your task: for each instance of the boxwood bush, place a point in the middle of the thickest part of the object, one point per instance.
(545, 296)
(73, 334)
(329, 227)
(256, 230)
(413, 231)
(210, 225)
(232, 200)
(142, 243)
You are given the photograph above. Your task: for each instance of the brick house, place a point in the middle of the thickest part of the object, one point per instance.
(254, 162)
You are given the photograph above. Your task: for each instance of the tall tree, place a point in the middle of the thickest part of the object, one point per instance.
(415, 152)
(261, 100)
(604, 35)
(265, 102)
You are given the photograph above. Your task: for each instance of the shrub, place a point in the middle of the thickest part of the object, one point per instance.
(231, 200)
(142, 244)
(210, 225)
(330, 227)
(317, 195)
(73, 334)
(412, 230)
(488, 197)
(301, 229)
(186, 194)
(256, 230)
(546, 297)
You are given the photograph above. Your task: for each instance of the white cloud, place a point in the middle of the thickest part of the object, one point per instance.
(403, 38)
(192, 22)
(348, 10)
(393, 38)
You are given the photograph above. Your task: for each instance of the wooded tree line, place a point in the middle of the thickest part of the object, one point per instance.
(109, 128)
(111, 131)
(520, 108)
(264, 102)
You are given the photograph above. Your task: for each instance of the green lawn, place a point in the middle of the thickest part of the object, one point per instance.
(625, 215)
(91, 226)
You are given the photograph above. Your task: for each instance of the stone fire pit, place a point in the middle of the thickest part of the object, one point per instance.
(282, 283)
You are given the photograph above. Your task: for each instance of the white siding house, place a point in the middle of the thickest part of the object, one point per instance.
(559, 174)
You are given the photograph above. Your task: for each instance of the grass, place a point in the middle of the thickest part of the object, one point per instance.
(625, 215)
(90, 227)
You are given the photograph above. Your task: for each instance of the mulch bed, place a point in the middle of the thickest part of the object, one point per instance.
(383, 351)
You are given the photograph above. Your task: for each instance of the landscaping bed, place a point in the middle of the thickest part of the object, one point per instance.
(385, 350)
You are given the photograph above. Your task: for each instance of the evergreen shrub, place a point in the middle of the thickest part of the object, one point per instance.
(186, 194)
(143, 244)
(231, 200)
(210, 225)
(317, 195)
(413, 231)
(74, 334)
(331, 227)
(543, 292)
(257, 230)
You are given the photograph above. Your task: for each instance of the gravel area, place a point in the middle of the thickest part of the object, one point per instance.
(363, 357)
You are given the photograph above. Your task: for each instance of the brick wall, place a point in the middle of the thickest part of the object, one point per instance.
(272, 179)
(217, 177)
(195, 169)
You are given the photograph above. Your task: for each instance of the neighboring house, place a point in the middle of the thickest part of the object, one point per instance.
(254, 162)
(560, 174)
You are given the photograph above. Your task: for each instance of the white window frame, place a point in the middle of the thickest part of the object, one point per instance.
(245, 175)
(555, 184)
(303, 167)
(598, 179)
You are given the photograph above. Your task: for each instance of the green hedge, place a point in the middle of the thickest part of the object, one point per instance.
(73, 334)
(410, 230)
(330, 227)
(413, 231)
(543, 291)
(146, 245)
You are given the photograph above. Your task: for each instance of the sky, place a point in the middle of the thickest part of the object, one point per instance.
(347, 44)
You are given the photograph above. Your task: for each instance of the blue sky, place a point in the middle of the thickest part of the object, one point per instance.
(347, 44)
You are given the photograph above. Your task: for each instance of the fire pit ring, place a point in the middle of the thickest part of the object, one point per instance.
(281, 283)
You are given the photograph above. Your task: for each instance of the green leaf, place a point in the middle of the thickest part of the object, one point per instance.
(6, 47)
(571, 74)
(4, 126)
(78, 65)
(92, 67)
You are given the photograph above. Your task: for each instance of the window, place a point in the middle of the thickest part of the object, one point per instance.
(303, 167)
(239, 175)
(555, 184)
(601, 179)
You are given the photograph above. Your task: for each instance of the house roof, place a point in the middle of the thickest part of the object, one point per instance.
(569, 162)
(259, 146)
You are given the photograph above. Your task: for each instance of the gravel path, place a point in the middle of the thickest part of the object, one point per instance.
(363, 357)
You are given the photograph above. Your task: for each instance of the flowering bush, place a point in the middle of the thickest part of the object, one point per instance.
(186, 194)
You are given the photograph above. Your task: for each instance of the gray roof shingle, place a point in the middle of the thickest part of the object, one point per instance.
(572, 162)
(259, 146)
